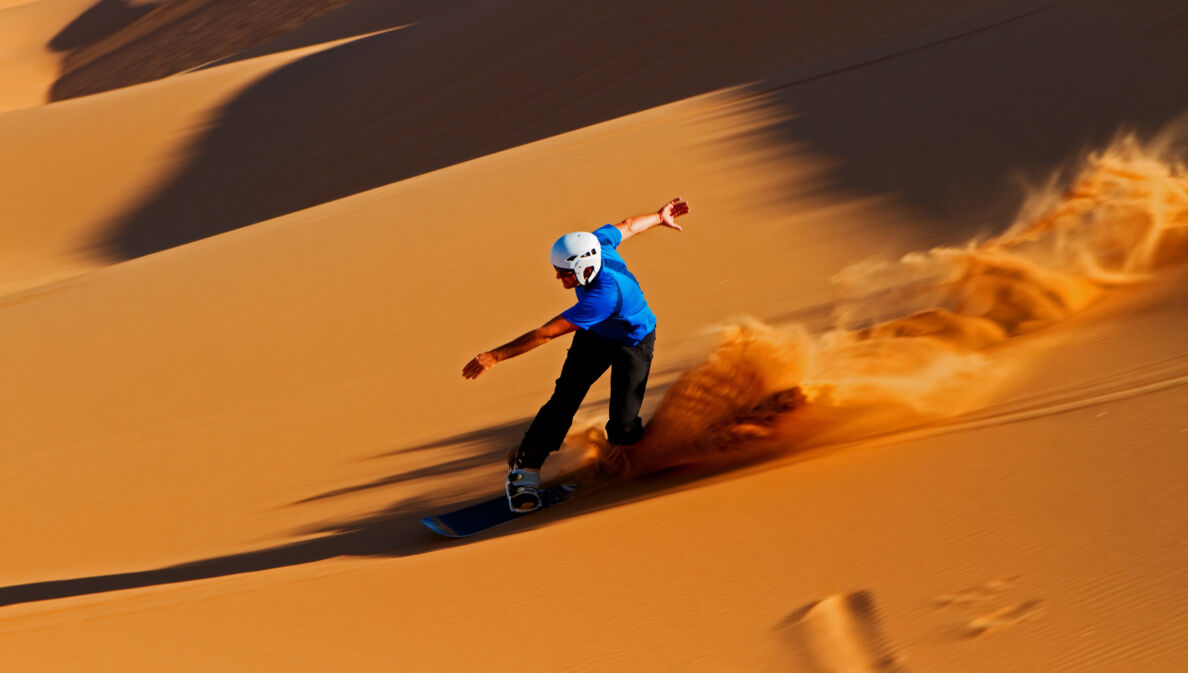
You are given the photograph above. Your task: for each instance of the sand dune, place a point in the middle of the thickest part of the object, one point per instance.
(348, 111)
(28, 66)
(926, 419)
(76, 165)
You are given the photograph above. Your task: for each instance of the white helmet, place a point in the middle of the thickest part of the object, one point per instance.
(577, 252)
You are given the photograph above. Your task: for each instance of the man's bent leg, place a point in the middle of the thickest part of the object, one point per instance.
(629, 379)
(588, 359)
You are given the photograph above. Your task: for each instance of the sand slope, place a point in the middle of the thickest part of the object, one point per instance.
(77, 165)
(28, 66)
(237, 302)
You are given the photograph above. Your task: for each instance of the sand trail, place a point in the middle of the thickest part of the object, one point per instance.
(912, 344)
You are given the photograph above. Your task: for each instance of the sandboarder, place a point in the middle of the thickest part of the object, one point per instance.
(615, 330)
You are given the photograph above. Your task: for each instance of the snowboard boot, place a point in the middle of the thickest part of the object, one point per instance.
(523, 490)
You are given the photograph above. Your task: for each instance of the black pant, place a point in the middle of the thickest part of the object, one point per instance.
(589, 357)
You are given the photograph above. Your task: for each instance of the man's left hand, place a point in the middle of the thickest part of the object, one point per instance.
(672, 210)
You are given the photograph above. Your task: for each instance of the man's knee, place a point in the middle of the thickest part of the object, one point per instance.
(566, 395)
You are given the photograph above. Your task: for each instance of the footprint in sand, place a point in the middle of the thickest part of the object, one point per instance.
(990, 592)
(978, 594)
(841, 634)
(1008, 616)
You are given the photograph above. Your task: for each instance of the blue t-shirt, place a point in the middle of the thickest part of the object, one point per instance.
(613, 305)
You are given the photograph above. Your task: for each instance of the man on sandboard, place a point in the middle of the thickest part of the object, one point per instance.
(615, 330)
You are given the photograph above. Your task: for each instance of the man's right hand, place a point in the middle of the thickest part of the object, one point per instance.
(552, 329)
(481, 363)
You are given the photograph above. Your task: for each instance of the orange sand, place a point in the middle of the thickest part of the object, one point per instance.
(235, 303)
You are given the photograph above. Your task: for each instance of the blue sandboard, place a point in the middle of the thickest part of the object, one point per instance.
(490, 513)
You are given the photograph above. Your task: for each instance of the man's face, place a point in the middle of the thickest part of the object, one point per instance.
(568, 278)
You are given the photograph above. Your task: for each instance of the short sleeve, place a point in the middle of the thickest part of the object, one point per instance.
(608, 235)
(595, 305)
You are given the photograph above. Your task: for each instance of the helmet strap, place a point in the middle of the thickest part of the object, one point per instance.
(580, 269)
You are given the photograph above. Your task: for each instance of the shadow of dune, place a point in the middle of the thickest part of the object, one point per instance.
(360, 17)
(953, 127)
(116, 44)
(101, 20)
(491, 76)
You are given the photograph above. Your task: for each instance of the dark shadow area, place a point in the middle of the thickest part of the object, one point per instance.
(955, 129)
(114, 44)
(360, 17)
(490, 76)
(103, 19)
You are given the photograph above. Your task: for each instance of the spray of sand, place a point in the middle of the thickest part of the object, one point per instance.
(913, 337)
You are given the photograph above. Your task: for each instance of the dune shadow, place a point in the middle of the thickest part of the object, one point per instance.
(117, 43)
(954, 125)
(97, 22)
(946, 121)
(358, 17)
(488, 77)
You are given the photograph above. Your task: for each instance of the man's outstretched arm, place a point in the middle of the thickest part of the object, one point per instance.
(666, 216)
(541, 335)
